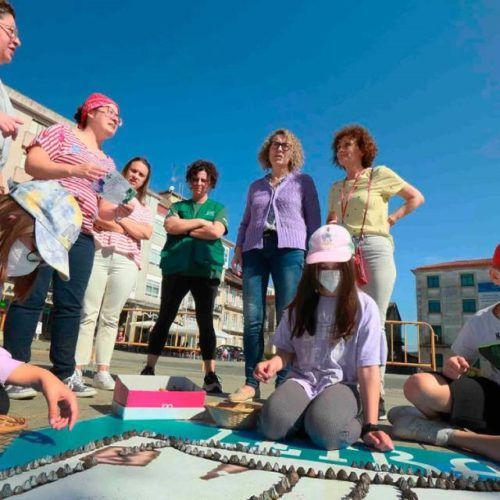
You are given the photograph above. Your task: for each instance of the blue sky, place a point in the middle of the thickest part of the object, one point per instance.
(206, 79)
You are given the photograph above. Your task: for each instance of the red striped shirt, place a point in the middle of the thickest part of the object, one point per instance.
(63, 146)
(124, 244)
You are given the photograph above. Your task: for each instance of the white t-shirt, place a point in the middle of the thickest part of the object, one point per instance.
(482, 329)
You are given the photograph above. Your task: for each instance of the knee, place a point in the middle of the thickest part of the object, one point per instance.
(332, 435)
(415, 386)
(274, 424)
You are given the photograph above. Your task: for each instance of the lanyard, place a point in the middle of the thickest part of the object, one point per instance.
(344, 201)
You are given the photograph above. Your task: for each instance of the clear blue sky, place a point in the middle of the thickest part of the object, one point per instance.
(205, 79)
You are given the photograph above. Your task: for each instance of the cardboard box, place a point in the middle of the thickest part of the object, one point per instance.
(138, 397)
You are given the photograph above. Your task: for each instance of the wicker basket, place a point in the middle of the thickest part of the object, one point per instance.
(234, 415)
(10, 428)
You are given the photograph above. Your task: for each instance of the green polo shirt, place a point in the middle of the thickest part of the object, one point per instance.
(188, 256)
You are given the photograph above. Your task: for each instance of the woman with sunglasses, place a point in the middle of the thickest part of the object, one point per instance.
(75, 158)
(281, 212)
(118, 235)
(9, 124)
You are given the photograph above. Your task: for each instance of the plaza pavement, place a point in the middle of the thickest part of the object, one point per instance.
(231, 373)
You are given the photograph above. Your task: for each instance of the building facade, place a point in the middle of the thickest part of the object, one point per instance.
(448, 294)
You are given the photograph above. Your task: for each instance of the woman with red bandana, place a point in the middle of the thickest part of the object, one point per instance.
(74, 157)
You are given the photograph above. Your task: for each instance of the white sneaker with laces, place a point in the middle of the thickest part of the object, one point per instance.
(103, 380)
(20, 392)
(422, 430)
(76, 384)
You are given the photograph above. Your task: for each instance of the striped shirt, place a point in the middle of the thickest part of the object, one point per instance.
(124, 244)
(63, 146)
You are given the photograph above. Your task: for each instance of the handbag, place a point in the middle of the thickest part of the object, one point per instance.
(359, 262)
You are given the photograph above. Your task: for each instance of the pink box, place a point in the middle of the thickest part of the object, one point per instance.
(152, 397)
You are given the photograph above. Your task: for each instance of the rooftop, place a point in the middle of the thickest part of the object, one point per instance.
(454, 264)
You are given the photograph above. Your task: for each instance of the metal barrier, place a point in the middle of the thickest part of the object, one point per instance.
(421, 336)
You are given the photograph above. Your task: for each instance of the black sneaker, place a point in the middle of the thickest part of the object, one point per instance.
(382, 414)
(148, 370)
(211, 384)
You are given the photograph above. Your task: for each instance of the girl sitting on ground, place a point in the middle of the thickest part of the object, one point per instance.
(39, 222)
(331, 336)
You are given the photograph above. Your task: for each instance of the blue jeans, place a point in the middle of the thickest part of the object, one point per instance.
(285, 267)
(22, 318)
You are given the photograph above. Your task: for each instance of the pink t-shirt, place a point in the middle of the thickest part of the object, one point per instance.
(124, 244)
(7, 365)
(63, 146)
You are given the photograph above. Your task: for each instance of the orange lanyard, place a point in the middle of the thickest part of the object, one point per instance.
(344, 201)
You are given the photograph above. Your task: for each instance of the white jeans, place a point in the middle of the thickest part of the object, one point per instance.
(112, 279)
(378, 254)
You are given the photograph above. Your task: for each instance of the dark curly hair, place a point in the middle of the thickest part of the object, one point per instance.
(363, 139)
(6, 8)
(202, 166)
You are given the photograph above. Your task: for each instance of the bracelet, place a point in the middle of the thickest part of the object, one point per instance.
(369, 428)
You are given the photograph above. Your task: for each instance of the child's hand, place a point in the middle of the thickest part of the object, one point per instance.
(63, 408)
(265, 370)
(378, 440)
(455, 367)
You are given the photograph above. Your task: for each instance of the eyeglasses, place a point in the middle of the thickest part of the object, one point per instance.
(111, 113)
(285, 146)
(11, 31)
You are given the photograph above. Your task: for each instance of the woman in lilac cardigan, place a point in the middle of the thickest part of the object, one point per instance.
(281, 212)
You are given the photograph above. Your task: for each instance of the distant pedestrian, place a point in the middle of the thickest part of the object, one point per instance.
(360, 202)
(281, 212)
(118, 232)
(192, 261)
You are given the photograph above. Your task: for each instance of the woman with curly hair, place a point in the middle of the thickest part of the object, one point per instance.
(360, 202)
(282, 211)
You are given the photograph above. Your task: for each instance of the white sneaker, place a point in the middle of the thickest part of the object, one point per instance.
(422, 430)
(398, 412)
(76, 384)
(20, 392)
(103, 380)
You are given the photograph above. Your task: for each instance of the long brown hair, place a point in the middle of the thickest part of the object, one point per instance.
(143, 190)
(14, 223)
(302, 310)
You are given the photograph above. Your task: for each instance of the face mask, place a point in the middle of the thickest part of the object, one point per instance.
(20, 262)
(329, 279)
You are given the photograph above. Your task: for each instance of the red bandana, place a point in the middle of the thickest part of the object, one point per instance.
(94, 101)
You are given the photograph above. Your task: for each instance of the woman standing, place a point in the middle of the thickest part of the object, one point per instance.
(192, 261)
(360, 202)
(9, 42)
(331, 335)
(281, 212)
(117, 261)
(75, 158)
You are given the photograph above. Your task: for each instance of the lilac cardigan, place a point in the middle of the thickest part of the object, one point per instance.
(296, 209)
(7, 365)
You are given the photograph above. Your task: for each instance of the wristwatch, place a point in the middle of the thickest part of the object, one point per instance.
(369, 428)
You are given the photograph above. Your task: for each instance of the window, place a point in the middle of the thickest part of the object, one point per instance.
(469, 305)
(467, 279)
(434, 306)
(158, 225)
(152, 288)
(439, 333)
(432, 281)
(155, 255)
(439, 361)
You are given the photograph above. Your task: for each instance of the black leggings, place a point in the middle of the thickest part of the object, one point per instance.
(173, 289)
(4, 401)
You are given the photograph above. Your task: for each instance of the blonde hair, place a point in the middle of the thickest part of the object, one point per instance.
(14, 223)
(297, 159)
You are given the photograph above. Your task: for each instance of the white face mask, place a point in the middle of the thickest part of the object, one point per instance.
(329, 279)
(19, 262)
